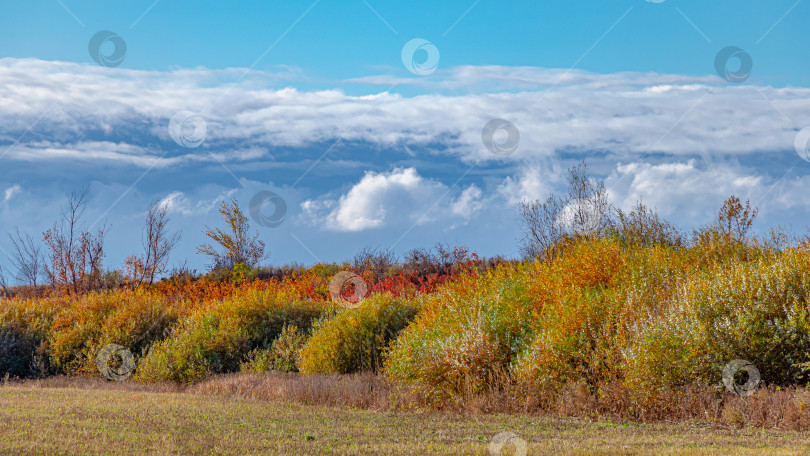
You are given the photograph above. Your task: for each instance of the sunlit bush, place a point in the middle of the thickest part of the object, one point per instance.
(133, 319)
(357, 339)
(753, 310)
(467, 331)
(217, 339)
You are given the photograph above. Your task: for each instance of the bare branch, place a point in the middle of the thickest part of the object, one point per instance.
(585, 211)
(27, 258)
(4, 283)
(75, 254)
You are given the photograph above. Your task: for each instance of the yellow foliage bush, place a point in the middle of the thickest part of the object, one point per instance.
(356, 339)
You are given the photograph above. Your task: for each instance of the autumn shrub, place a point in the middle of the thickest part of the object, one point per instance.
(132, 319)
(218, 338)
(642, 226)
(754, 310)
(591, 296)
(357, 339)
(470, 329)
(282, 355)
(28, 322)
(29, 316)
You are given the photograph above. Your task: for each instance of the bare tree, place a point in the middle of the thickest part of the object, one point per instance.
(238, 246)
(378, 261)
(585, 211)
(3, 283)
(75, 254)
(643, 226)
(157, 244)
(735, 219)
(541, 228)
(421, 261)
(26, 256)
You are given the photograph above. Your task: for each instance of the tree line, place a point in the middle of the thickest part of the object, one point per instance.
(69, 256)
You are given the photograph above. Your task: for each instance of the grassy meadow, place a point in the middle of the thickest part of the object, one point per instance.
(36, 419)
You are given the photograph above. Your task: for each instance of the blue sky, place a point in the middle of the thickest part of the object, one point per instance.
(351, 38)
(313, 101)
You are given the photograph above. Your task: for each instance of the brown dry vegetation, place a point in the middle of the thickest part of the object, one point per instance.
(769, 408)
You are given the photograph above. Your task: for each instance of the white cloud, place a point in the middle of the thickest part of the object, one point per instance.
(398, 197)
(529, 185)
(625, 114)
(687, 191)
(100, 117)
(180, 203)
(469, 203)
(11, 191)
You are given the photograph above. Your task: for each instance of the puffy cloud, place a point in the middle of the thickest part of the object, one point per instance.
(469, 203)
(684, 189)
(400, 197)
(529, 185)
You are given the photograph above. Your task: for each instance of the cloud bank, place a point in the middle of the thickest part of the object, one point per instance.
(383, 163)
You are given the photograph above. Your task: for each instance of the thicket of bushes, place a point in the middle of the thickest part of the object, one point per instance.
(603, 314)
(613, 304)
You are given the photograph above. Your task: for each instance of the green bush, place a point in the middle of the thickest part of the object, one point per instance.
(753, 310)
(357, 339)
(218, 339)
(282, 355)
(17, 354)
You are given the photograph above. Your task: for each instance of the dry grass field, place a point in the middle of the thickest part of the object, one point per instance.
(108, 418)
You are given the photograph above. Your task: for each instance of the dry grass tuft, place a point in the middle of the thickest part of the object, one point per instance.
(366, 390)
